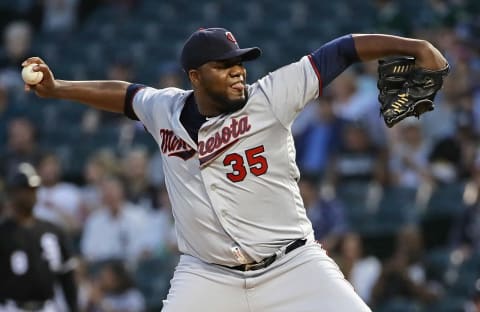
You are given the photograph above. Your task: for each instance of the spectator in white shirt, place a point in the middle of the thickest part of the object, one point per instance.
(57, 201)
(135, 173)
(410, 151)
(160, 236)
(361, 270)
(115, 230)
(98, 166)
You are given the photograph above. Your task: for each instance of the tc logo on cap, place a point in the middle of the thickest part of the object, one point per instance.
(230, 37)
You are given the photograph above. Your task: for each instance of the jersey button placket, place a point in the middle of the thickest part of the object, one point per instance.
(214, 193)
(214, 188)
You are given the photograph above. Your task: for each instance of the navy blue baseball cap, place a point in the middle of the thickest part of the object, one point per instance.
(213, 44)
(25, 176)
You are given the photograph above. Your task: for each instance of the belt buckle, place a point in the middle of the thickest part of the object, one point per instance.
(260, 265)
(250, 266)
(255, 266)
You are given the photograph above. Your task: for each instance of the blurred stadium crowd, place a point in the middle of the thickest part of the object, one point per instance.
(398, 209)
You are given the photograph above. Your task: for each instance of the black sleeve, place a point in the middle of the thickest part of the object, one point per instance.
(69, 287)
(66, 275)
(128, 107)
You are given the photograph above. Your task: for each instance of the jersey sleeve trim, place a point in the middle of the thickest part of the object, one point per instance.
(317, 72)
(332, 58)
(128, 107)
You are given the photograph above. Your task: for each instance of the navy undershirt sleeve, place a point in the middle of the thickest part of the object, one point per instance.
(128, 107)
(333, 58)
(191, 118)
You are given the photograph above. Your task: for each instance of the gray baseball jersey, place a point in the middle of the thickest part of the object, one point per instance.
(234, 194)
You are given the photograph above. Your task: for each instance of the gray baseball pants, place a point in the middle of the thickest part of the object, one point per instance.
(304, 280)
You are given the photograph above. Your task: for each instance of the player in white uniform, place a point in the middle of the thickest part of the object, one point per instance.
(228, 157)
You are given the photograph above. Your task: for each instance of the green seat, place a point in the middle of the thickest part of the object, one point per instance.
(443, 207)
(354, 197)
(447, 304)
(152, 278)
(437, 262)
(399, 305)
(446, 200)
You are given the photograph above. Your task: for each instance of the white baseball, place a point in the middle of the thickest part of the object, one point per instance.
(31, 77)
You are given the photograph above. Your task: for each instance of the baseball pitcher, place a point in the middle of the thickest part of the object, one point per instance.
(229, 159)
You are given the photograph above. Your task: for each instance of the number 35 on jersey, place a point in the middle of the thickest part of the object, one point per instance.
(252, 161)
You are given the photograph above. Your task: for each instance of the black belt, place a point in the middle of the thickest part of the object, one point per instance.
(26, 305)
(267, 261)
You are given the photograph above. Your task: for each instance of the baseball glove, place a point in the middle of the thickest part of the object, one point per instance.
(405, 90)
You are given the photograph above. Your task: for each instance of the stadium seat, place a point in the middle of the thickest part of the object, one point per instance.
(377, 211)
(446, 199)
(397, 207)
(448, 304)
(152, 277)
(355, 198)
(467, 277)
(399, 305)
(437, 262)
(441, 210)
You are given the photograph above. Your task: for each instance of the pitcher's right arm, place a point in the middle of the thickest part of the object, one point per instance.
(106, 95)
